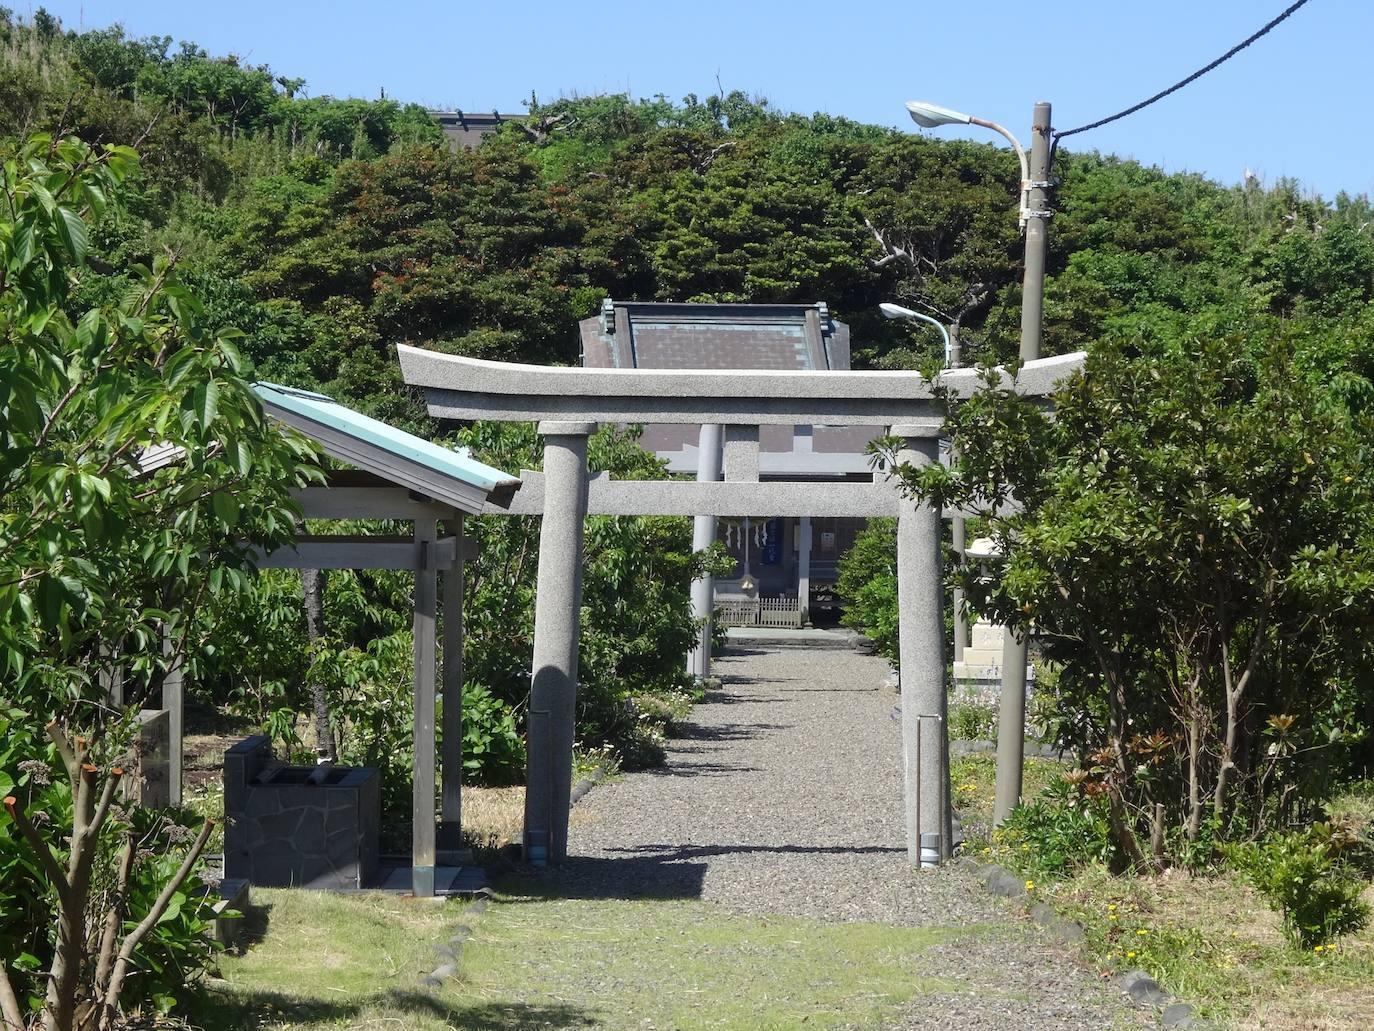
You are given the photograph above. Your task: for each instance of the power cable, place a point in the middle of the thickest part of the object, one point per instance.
(1183, 82)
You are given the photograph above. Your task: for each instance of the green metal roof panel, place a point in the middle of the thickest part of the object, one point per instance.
(369, 431)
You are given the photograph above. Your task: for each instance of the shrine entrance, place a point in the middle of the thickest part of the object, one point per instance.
(569, 404)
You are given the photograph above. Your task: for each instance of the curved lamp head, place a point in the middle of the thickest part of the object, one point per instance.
(896, 311)
(931, 115)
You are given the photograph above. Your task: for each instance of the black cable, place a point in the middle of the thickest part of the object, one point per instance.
(1179, 85)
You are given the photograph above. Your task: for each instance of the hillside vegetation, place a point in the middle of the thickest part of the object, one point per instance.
(1195, 550)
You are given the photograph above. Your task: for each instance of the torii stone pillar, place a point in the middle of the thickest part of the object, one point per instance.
(557, 623)
(921, 634)
(703, 536)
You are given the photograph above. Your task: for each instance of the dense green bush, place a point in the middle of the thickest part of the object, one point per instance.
(1194, 553)
(107, 566)
(867, 582)
(1305, 878)
(1064, 829)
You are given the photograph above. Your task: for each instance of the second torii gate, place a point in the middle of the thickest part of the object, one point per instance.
(568, 404)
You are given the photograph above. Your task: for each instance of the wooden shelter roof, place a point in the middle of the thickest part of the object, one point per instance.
(420, 466)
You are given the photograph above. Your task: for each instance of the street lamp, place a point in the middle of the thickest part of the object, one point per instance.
(1035, 214)
(1035, 208)
(929, 116)
(896, 311)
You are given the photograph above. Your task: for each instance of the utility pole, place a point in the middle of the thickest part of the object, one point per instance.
(1011, 745)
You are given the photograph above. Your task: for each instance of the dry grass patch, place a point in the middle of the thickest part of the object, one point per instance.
(495, 817)
(1214, 942)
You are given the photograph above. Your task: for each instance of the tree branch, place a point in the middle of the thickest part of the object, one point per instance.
(114, 917)
(45, 857)
(10, 1012)
(103, 807)
(64, 749)
(126, 951)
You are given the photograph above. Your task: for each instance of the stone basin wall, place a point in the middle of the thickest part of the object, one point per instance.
(283, 832)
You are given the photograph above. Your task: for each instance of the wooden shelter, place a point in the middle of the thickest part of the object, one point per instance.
(395, 476)
(401, 476)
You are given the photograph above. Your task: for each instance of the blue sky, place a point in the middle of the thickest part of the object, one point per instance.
(1294, 104)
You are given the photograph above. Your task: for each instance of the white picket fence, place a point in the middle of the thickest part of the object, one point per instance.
(779, 612)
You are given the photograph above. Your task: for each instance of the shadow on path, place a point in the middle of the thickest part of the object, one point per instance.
(241, 1011)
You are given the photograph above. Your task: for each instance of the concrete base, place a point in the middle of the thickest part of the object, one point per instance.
(233, 898)
(394, 877)
(781, 637)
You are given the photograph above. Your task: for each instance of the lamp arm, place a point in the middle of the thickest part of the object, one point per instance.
(1020, 156)
(938, 325)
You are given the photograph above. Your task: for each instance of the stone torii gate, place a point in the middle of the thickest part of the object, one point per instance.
(569, 403)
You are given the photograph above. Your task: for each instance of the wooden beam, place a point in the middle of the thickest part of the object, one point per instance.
(371, 502)
(361, 551)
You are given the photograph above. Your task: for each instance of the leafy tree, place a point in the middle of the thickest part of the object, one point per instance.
(106, 559)
(1195, 549)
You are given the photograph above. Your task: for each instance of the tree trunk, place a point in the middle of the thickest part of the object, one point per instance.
(1194, 777)
(312, 586)
(1122, 833)
(1234, 688)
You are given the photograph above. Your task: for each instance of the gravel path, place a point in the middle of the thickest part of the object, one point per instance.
(785, 797)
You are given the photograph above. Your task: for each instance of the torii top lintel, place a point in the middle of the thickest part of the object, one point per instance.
(470, 388)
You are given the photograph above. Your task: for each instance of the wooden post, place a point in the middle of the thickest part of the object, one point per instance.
(172, 701)
(422, 799)
(451, 757)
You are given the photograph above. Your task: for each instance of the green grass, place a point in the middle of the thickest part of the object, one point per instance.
(325, 961)
(974, 780)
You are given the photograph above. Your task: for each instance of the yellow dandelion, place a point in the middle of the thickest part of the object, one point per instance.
(1318, 948)
(1142, 932)
(1111, 916)
(1030, 885)
(1111, 905)
(1130, 955)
